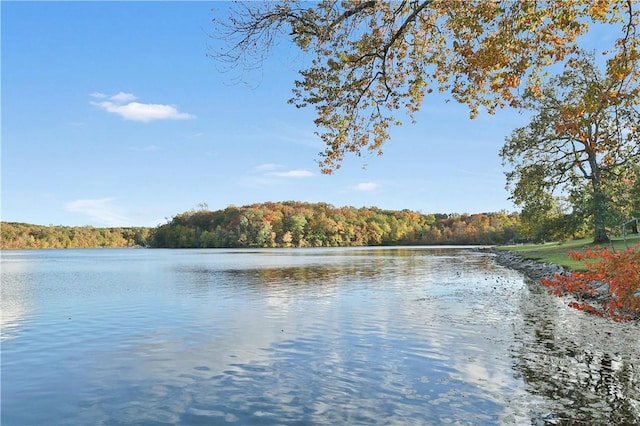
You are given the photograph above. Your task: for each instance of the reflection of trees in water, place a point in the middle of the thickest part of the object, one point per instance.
(585, 378)
(300, 275)
(285, 278)
(372, 265)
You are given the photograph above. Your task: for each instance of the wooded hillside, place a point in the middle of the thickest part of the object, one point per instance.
(23, 235)
(281, 224)
(297, 224)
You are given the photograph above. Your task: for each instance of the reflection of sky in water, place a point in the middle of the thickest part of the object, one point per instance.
(313, 336)
(14, 301)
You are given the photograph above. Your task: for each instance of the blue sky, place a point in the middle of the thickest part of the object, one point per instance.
(114, 115)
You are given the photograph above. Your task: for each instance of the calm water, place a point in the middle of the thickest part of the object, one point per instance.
(312, 336)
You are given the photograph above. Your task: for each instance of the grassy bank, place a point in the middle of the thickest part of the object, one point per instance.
(556, 252)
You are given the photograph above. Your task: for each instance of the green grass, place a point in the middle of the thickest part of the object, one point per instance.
(556, 252)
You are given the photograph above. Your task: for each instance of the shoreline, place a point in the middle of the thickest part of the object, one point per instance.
(535, 270)
(532, 269)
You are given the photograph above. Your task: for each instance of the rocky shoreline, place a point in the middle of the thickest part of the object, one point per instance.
(531, 268)
(536, 270)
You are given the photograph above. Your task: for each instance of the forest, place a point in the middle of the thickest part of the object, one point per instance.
(26, 236)
(278, 224)
(299, 224)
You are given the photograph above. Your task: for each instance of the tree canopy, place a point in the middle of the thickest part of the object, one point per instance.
(299, 224)
(372, 62)
(26, 236)
(583, 139)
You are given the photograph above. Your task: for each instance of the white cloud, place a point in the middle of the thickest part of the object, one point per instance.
(137, 111)
(122, 104)
(365, 186)
(101, 211)
(123, 97)
(291, 174)
(269, 174)
(267, 167)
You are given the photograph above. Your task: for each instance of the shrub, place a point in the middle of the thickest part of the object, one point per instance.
(620, 271)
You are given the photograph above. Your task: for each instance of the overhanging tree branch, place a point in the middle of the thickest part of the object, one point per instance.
(481, 52)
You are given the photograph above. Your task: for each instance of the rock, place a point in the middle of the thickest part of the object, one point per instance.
(531, 268)
(537, 270)
(602, 289)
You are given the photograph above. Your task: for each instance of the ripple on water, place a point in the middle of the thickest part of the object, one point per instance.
(410, 336)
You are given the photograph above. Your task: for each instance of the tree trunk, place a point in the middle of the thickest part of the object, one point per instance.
(599, 208)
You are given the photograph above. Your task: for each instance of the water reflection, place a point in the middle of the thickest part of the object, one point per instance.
(356, 336)
(586, 368)
(15, 295)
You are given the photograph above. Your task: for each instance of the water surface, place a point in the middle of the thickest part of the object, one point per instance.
(302, 336)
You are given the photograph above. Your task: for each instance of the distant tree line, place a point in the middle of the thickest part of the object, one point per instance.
(23, 235)
(298, 224)
(284, 224)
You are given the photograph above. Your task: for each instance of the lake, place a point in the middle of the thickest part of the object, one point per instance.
(420, 335)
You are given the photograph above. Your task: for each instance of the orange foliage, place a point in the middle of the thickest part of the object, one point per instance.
(619, 270)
